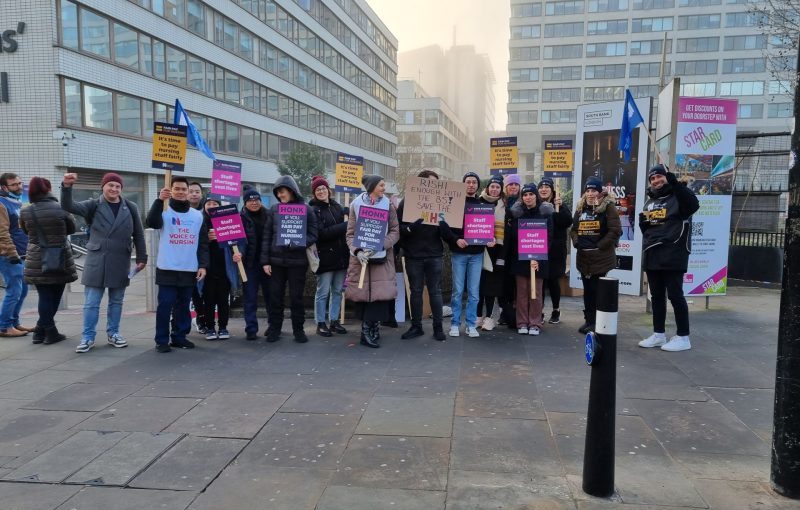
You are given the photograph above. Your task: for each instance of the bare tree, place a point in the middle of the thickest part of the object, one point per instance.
(779, 21)
(410, 158)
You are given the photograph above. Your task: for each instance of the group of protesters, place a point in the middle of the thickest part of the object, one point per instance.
(192, 267)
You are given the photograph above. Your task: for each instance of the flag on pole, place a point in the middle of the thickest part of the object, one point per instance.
(631, 118)
(193, 135)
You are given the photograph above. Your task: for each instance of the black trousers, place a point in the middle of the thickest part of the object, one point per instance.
(216, 296)
(421, 272)
(49, 299)
(553, 286)
(296, 278)
(590, 296)
(665, 284)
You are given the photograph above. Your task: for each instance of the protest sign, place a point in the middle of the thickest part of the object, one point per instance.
(349, 171)
(371, 227)
(292, 225)
(558, 158)
(226, 181)
(503, 155)
(434, 200)
(228, 228)
(532, 239)
(479, 224)
(169, 147)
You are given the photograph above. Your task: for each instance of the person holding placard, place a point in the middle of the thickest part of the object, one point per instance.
(254, 218)
(595, 231)
(333, 257)
(182, 262)
(492, 281)
(511, 186)
(557, 253)
(221, 278)
(291, 228)
(424, 254)
(196, 201)
(467, 262)
(529, 303)
(666, 223)
(371, 280)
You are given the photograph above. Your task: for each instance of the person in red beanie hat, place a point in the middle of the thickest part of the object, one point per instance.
(112, 223)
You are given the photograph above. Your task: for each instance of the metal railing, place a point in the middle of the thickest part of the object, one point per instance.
(758, 239)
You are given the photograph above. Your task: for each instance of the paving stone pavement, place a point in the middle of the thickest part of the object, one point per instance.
(496, 422)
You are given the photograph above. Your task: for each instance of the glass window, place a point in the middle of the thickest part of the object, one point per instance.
(698, 45)
(745, 42)
(197, 74)
(648, 69)
(196, 17)
(698, 89)
(528, 74)
(694, 67)
(607, 5)
(563, 52)
(274, 148)
(653, 47)
(175, 11)
(741, 88)
(607, 71)
(698, 3)
(780, 87)
(651, 24)
(72, 103)
(147, 118)
(741, 19)
(95, 37)
(614, 26)
(97, 105)
(524, 117)
(145, 54)
(526, 31)
(161, 113)
(603, 93)
(229, 29)
(272, 103)
(220, 83)
(231, 87)
(743, 65)
(526, 10)
(561, 8)
(249, 94)
(523, 96)
(561, 95)
(220, 136)
(248, 141)
(618, 49)
(562, 73)
(69, 24)
(129, 115)
(525, 53)
(231, 137)
(779, 110)
(559, 116)
(246, 45)
(647, 91)
(158, 7)
(750, 111)
(698, 22)
(563, 29)
(646, 5)
(176, 66)
(159, 60)
(126, 46)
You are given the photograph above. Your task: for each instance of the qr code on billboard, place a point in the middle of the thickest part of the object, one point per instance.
(697, 228)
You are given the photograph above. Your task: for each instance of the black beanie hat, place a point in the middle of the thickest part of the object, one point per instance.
(496, 179)
(370, 182)
(250, 193)
(547, 181)
(471, 174)
(657, 170)
(529, 188)
(594, 183)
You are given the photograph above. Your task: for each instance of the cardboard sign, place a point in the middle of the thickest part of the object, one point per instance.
(169, 147)
(227, 224)
(226, 181)
(371, 227)
(349, 172)
(479, 224)
(292, 225)
(532, 239)
(434, 200)
(503, 155)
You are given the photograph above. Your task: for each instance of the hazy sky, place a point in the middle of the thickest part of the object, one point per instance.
(481, 23)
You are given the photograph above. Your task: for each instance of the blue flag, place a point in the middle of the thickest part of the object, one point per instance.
(631, 118)
(193, 135)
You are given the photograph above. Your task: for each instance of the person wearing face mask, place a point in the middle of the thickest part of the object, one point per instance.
(557, 251)
(666, 225)
(529, 310)
(13, 247)
(595, 231)
(114, 224)
(512, 184)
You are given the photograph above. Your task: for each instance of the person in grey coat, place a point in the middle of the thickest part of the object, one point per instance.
(112, 223)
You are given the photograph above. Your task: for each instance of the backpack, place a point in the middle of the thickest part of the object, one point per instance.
(90, 217)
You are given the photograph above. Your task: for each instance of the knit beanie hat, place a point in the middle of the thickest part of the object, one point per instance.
(318, 181)
(529, 188)
(370, 182)
(594, 183)
(250, 193)
(495, 179)
(547, 181)
(512, 179)
(657, 170)
(112, 177)
(471, 174)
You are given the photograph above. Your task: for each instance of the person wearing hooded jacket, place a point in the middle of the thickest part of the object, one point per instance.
(254, 219)
(594, 233)
(286, 264)
(333, 257)
(557, 251)
(528, 310)
(666, 225)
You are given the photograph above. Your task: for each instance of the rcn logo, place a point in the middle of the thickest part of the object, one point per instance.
(176, 221)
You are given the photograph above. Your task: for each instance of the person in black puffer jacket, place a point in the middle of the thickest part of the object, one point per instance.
(254, 219)
(666, 224)
(286, 264)
(557, 255)
(45, 216)
(333, 257)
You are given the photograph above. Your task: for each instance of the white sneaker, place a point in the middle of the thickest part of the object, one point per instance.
(654, 340)
(489, 324)
(117, 341)
(677, 343)
(473, 332)
(454, 331)
(479, 323)
(84, 346)
(534, 331)
(523, 330)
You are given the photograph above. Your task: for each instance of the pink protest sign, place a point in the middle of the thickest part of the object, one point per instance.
(226, 180)
(227, 223)
(371, 227)
(478, 224)
(532, 240)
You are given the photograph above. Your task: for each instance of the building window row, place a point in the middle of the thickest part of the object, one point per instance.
(638, 25)
(433, 118)
(661, 24)
(97, 108)
(559, 116)
(563, 7)
(410, 140)
(525, 74)
(607, 5)
(612, 49)
(529, 10)
(561, 95)
(613, 26)
(523, 117)
(605, 72)
(743, 65)
(750, 111)
(651, 47)
(523, 96)
(695, 67)
(612, 93)
(745, 42)
(87, 31)
(227, 34)
(646, 5)
(526, 31)
(565, 73)
(780, 110)
(699, 22)
(563, 29)
(698, 45)
(564, 51)
(525, 53)
(647, 70)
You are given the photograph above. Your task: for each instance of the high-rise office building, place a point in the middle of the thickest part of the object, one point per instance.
(88, 78)
(567, 53)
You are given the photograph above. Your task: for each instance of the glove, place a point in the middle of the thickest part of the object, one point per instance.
(414, 226)
(14, 260)
(363, 256)
(671, 178)
(642, 218)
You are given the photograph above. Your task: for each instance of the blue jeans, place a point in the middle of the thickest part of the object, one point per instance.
(16, 290)
(329, 283)
(170, 297)
(466, 267)
(256, 279)
(92, 296)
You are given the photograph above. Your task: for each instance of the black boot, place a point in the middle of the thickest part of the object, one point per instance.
(438, 332)
(337, 327)
(368, 336)
(52, 336)
(300, 336)
(588, 324)
(322, 330)
(413, 332)
(38, 335)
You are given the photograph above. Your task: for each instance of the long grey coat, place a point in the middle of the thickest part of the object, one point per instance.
(109, 248)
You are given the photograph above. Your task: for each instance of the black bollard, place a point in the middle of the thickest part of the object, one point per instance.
(598, 456)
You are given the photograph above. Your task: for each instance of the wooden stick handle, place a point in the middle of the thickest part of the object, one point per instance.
(242, 272)
(533, 282)
(361, 278)
(167, 184)
(408, 285)
(341, 319)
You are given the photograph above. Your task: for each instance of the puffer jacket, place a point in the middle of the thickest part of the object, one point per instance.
(380, 280)
(516, 266)
(667, 237)
(55, 224)
(286, 256)
(597, 257)
(331, 230)
(251, 253)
